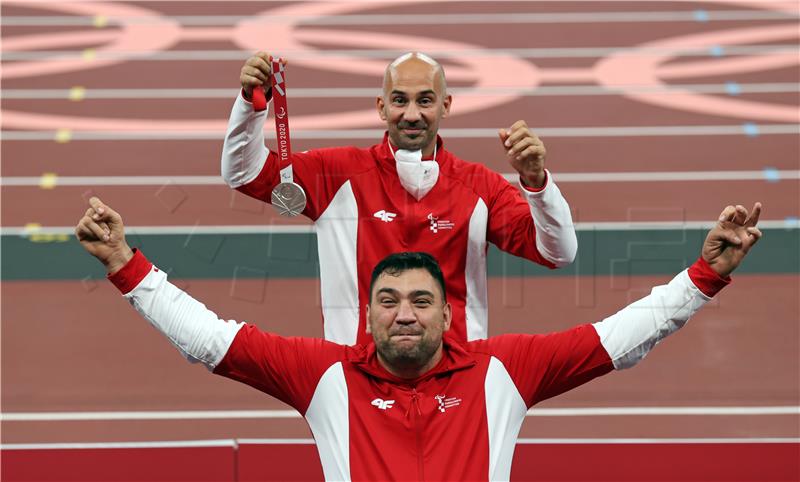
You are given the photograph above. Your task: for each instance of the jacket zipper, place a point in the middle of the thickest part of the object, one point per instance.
(417, 414)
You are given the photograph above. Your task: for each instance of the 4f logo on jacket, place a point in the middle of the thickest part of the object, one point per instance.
(385, 216)
(383, 404)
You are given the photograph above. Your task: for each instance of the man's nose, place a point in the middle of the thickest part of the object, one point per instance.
(411, 113)
(405, 313)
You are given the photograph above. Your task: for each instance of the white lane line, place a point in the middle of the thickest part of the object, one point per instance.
(309, 441)
(592, 441)
(747, 129)
(675, 225)
(706, 440)
(147, 415)
(626, 411)
(388, 54)
(167, 230)
(308, 228)
(275, 441)
(116, 181)
(366, 92)
(565, 177)
(413, 19)
(681, 176)
(283, 414)
(123, 445)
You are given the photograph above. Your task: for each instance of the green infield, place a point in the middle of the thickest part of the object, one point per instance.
(282, 255)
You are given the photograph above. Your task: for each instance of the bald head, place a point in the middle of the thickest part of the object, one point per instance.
(415, 63)
(413, 102)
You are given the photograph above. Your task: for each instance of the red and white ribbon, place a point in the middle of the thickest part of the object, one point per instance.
(281, 119)
(278, 84)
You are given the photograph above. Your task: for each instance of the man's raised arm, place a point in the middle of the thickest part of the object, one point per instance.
(195, 331)
(544, 366)
(510, 226)
(631, 333)
(235, 350)
(243, 151)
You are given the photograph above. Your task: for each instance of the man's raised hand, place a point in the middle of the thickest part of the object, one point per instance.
(256, 72)
(102, 234)
(731, 238)
(526, 152)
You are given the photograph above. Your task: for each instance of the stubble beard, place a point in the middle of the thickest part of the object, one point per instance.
(415, 356)
(411, 144)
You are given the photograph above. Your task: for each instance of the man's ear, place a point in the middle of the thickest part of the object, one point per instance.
(379, 104)
(368, 328)
(448, 101)
(447, 312)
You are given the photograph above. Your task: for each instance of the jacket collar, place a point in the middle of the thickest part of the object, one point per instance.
(454, 358)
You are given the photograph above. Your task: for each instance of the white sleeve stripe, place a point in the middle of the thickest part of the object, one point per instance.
(337, 242)
(505, 412)
(328, 419)
(477, 304)
(630, 334)
(243, 150)
(555, 233)
(195, 330)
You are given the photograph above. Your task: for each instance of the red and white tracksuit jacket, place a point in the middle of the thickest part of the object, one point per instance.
(458, 421)
(362, 213)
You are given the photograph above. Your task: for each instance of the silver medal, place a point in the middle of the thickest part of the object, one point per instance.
(289, 199)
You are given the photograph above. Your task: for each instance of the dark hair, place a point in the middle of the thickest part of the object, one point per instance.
(397, 263)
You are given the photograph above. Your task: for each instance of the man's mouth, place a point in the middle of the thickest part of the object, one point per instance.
(412, 131)
(403, 340)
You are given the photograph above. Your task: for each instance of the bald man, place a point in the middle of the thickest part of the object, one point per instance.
(406, 193)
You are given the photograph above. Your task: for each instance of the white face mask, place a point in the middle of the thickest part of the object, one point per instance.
(417, 176)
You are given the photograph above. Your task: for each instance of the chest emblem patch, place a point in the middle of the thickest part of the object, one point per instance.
(437, 224)
(446, 402)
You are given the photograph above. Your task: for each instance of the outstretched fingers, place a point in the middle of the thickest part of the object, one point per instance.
(752, 220)
(739, 215)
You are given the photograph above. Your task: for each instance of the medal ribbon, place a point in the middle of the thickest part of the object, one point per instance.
(288, 197)
(281, 120)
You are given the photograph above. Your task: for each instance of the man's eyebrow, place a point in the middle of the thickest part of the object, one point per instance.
(413, 294)
(421, 93)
